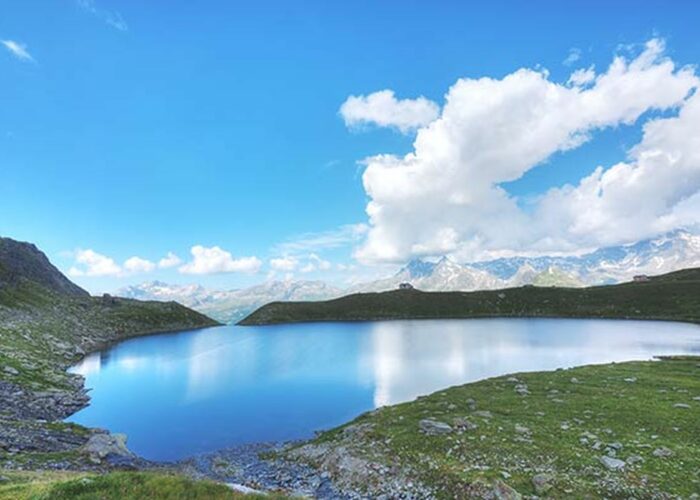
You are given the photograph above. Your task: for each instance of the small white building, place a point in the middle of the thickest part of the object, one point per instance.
(640, 278)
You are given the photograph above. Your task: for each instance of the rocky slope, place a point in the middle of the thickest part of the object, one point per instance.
(46, 324)
(621, 430)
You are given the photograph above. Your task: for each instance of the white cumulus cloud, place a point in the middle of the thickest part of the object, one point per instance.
(91, 263)
(315, 263)
(446, 196)
(384, 110)
(284, 263)
(137, 265)
(214, 260)
(17, 49)
(170, 260)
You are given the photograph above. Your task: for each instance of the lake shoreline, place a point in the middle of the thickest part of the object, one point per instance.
(280, 468)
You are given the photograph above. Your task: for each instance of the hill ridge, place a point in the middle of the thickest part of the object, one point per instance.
(673, 296)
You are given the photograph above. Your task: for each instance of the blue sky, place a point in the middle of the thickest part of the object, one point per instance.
(142, 128)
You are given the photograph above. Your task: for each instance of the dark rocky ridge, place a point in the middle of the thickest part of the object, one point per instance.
(24, 261)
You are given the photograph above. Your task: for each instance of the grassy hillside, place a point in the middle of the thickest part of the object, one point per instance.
(48, 323)
(673, 296)
(625, 430)
(113, 486)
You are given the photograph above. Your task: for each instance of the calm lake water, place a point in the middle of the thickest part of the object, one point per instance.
(179, 394)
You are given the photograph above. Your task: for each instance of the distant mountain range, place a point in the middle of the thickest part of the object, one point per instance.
(231, 305)
(676, 250)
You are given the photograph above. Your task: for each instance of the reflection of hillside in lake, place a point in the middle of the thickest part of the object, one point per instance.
(183, 393)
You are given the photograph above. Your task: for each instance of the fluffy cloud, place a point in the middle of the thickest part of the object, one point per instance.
(582, 76)
(657, 190)
(170, 260)
(284, 263)
(316, 263)
(19, 50)
(383, 109)
(215, 260)
(446, 196)
(137, 265)
(91, 263)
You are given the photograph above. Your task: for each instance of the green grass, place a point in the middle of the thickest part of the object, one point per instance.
(673, 296)
(589, 400)
(41, 329)
(43, 332)
(112, 486)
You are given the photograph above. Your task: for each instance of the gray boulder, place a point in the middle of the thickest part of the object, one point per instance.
(542, 483)
(611, 463)
(99, 446)
(434, 427)
(662, 452)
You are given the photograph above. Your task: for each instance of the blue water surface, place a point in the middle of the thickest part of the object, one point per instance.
(179, 394)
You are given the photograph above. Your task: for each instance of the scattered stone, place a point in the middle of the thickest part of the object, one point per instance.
(633, 459)
(358, 430)
(615, 446)
(574, 380)
(434, 427)
(696, 398)
(522, 390)
(483, 414)
(11, 371)
(611, 463)
(631, 380)
(4, 479)
(501, 491)
(662, 452)
(682, 406)
(240, 488)
(542, 483)
(471, 403)
(520, 429)
(512, 379)
(463, 424)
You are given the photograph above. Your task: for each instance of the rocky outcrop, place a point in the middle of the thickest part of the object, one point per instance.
(21, 261)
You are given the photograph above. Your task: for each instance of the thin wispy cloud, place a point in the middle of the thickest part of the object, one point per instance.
(573, 56)
(18, 50)
(314, 242)
(111, 18)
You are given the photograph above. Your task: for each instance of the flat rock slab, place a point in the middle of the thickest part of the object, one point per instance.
(434, 427)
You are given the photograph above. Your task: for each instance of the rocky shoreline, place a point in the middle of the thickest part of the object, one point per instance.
(245, 466)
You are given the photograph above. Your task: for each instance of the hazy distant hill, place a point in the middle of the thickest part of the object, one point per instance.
(232, 305)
